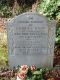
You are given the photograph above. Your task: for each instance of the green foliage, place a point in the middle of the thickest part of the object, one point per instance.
(49, 8)
(5, 11)
(58, 34)
(38, 74)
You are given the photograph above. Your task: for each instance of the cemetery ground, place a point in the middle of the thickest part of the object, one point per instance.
(40, 74)
(50, 74)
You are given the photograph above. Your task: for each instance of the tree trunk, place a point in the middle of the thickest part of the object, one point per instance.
(15, 8)
(34, 6)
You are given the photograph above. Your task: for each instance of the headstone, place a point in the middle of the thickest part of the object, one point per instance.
(31, 40)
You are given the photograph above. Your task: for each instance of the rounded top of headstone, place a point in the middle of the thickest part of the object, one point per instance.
(30, 14)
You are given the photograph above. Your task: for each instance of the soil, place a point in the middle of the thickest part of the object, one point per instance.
(57, 56)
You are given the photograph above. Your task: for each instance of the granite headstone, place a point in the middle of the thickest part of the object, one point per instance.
(31, 40)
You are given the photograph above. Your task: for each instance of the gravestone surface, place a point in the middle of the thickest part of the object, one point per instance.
(31, 40)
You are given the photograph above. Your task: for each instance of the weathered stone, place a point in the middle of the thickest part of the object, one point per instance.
(31, 40)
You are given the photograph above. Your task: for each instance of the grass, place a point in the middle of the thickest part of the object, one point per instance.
(3, 56)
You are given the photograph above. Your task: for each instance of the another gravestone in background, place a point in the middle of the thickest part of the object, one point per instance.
(31, 40)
